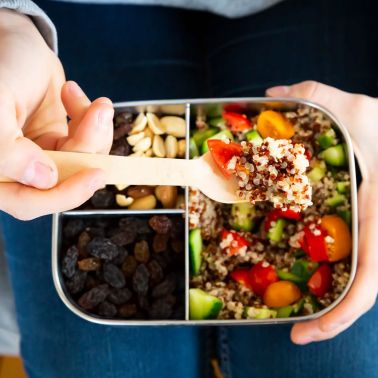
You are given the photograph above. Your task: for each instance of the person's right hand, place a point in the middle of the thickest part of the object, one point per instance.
(359, 114)
(34, 103)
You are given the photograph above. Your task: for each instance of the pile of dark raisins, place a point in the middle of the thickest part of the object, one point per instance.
(126, 267)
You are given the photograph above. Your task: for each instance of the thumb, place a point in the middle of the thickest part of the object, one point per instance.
(25, 162)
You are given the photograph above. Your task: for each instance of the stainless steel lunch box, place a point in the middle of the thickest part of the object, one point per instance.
(190, 109)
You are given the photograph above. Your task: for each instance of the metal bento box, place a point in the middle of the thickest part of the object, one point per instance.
(125, 257)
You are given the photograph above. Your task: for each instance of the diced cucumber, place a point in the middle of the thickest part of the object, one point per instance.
(343, 187)
(193, 149)
(199, 136)
(217, 122)
(327, 139)
(288, 276)
(222, 134)
(335, 156)
(203, 305)
(195, 248)
(242, 215)
(316, 174)
(284, 312)
(254, 137)
(275, 232)
(214, 110)
(298, 306)
(259, 313)
(311, 301)
(346, 215)
(336, 200)
(304, 269)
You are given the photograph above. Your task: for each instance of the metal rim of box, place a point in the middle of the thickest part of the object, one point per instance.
(57, 278)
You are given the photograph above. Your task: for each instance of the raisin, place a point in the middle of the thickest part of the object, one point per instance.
(102, 248)
(92, 282)
(120, 148)
(160, 224)
(107, 309)
(89, 264)
(128, 224)
(122, 254)
(96, 232)
(127, 310)
(142, 252)
(177, 245)
(69, 261)
(114, 276)
(123, 238)
(102, 199)
(94, 297)
(140, 280)
(160, 242)
(138, 191)
(143, 302)
(122, 130)
(142, 227)
(120, 296)
(160, 309)
(84, 239)
(129, 266)
(73, 228)
(156, 272)
(164, 288)
(124, 117)
(77, 283)
(163, 260)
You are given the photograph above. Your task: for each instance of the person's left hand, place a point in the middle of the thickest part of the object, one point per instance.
(359, 114)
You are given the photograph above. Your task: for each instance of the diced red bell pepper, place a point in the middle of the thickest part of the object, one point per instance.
(242, 276)
(261, 276)
(279, 213)
(235, 107)
(236, 122)
(321, 281)
(314, 243)
(308, 154)
(236, 241)
(223, 152)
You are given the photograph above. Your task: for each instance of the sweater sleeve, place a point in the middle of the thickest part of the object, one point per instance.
(40, 19)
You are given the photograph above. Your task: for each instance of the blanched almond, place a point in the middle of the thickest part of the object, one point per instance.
(181, 148)
(143, 145)
(139, 124)
(132, 140)
(149, 153)
(171, 146)
(121, 187)
(173, 125)
(154, 124)
(148, 133)
(158, 146)
(124, 201)
(144, 203)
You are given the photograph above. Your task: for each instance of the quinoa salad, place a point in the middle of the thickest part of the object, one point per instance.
(285, 252)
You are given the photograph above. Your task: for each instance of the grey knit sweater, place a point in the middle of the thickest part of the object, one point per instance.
(228, 8)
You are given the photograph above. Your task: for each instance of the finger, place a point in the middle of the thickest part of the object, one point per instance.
(74, 100)
(27, 203)
(94, 133)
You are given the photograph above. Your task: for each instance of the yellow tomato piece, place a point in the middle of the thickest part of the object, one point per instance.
(281, 293)
(274, 125)
(338, 230)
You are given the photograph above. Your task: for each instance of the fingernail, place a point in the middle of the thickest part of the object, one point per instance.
(281, 90)
(74, 89)
(97, 183)
(105, 117)
(39, 175)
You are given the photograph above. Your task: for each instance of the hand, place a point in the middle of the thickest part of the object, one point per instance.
(359, 114)
(34, 103)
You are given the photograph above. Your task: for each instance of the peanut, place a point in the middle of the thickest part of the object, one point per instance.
(155, 124)
(139, 124)
(171, 146)
(143, 145)
(132, 140)
(174, 125)
(158, 146)
(144, 203)
(181, 148)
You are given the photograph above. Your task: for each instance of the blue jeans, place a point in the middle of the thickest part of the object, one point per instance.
(129, 53)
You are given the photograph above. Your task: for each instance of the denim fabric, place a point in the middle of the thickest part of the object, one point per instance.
(130, 53)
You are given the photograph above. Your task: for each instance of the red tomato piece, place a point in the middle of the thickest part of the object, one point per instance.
(223, 152)
(236, 122)
(321, 281)
(242, 276)
(232, 241)
(235, 107)
(279, 213)
(308, 154)
(314, 243)
(261, 276)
